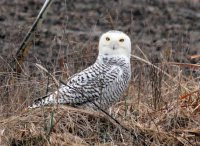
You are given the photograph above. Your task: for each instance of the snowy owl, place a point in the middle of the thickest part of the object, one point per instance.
(101, 84)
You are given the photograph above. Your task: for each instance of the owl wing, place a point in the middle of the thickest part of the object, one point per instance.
(89, 85)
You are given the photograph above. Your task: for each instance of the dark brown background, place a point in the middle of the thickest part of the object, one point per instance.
(72, 28)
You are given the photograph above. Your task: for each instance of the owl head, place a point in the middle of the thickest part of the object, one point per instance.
(115, 43)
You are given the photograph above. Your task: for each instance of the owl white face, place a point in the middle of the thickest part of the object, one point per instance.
(115, 43)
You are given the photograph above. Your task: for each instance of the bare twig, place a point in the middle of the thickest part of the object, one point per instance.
(142, 52)
(27, 41)
(44, 69)
(195, 56)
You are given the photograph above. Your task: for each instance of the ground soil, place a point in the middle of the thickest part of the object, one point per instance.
(163, 30)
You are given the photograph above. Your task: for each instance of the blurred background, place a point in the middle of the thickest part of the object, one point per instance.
(166, 30)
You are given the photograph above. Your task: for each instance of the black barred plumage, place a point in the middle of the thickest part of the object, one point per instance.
(101, 84)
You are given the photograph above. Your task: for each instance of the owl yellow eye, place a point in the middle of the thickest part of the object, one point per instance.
(121, 40)
(107, 38)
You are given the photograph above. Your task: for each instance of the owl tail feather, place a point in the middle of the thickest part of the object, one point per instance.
(45, 100)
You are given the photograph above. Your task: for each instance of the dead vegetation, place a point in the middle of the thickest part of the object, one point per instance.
(161, 107)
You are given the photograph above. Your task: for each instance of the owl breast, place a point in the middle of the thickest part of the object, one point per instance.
(114, 83)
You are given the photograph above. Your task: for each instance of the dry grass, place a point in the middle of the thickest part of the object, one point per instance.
(161, 107)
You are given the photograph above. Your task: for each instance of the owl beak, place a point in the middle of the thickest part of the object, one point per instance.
(114, 47)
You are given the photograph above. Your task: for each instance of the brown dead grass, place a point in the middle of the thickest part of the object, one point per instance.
(63, 125)
(161, 107)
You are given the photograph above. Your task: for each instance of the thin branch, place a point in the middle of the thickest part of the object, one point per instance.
(22, 52)
(44, 69)
(38, 21)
